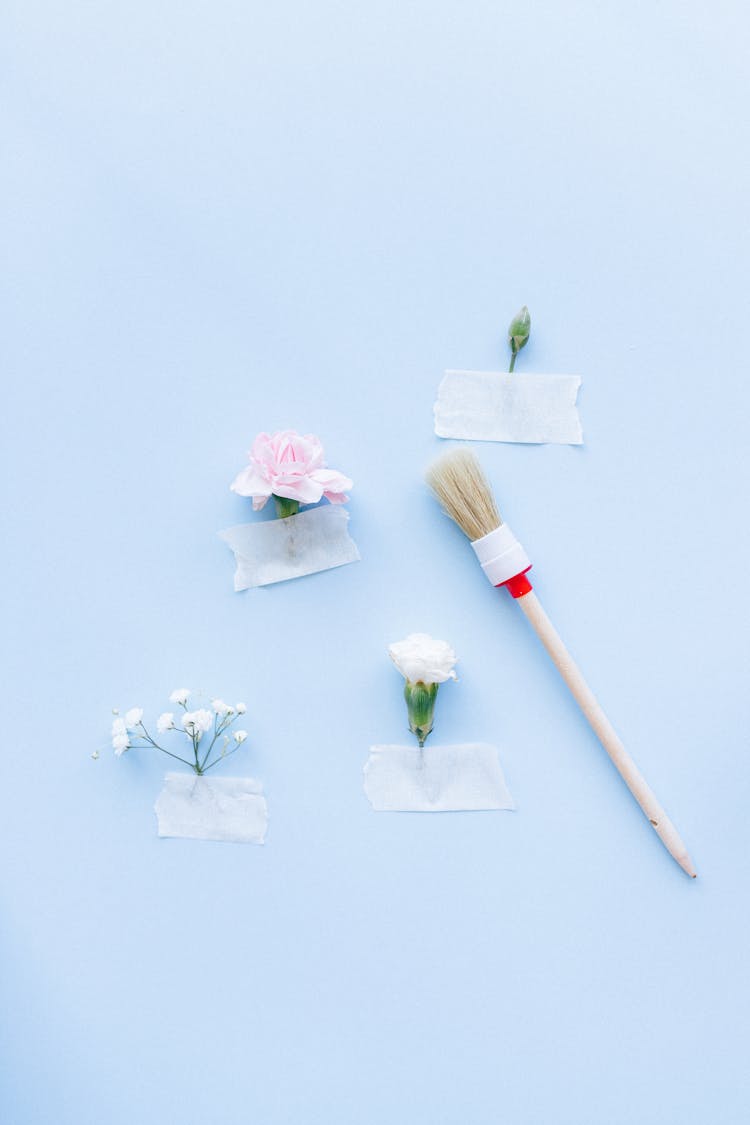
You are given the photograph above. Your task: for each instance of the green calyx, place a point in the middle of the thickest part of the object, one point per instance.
(519, 331)
(285, 507)
(420, 704)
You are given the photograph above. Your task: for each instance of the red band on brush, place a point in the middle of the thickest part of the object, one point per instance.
(518, 585)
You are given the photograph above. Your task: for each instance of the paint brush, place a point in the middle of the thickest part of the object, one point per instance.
(461, 487)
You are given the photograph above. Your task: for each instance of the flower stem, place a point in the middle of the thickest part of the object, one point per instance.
(512, 362)
(156, 746)
(219, 728)
(285, 507)
(221, 758)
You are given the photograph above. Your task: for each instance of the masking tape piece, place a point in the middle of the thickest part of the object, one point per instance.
(232, 809)
(465, 778)
(491, 406)
(278, 549)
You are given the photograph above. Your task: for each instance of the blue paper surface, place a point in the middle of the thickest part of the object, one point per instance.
(228, 217)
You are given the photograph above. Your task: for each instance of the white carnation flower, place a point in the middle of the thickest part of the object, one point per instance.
(120, 743)
(133, 717)
(423, 660)
(118, 727)
(165, 722)
(240, 708)
(180, 695)
(220, 707)
(240, 736)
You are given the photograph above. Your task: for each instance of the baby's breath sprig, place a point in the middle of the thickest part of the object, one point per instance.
(206, 732)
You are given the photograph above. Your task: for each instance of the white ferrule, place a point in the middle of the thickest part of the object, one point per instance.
(501, 555)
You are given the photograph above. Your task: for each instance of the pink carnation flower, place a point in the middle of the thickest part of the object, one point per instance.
(289, 465)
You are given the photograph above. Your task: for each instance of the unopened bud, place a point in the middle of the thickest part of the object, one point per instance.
(519, 331)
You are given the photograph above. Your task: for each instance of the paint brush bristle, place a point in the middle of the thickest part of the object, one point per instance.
(461, 487)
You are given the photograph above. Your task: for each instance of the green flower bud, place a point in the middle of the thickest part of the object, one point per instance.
(420, 703)
(518, 333)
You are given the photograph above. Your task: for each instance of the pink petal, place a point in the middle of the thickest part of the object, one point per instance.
(249, 482)
(304, 489)
(331, 480)
(314, 452)
(260, 446)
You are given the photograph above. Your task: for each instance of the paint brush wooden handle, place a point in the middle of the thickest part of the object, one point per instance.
(604, 730)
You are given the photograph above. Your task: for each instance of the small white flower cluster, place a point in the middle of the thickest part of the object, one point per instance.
(196, 723)
(129, 732)
(122, 727)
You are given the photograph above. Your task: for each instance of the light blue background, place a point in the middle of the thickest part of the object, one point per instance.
(225, 217)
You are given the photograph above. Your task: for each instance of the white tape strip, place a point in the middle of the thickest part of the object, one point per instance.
(278, 549)
(465, 778)
(501, 555)
(490, 406)
(212, 808)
